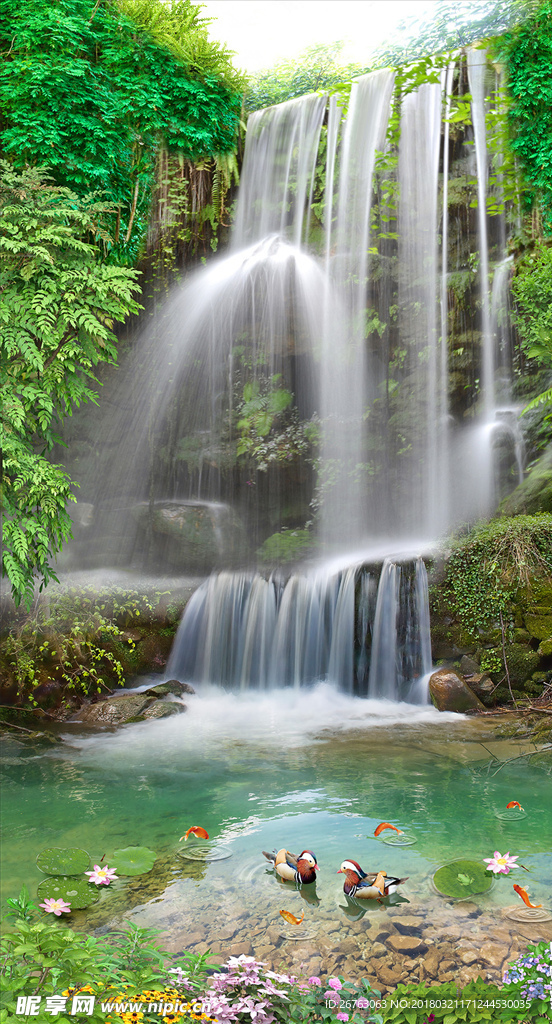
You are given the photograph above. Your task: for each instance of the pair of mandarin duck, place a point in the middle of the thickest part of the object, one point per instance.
(358, 883)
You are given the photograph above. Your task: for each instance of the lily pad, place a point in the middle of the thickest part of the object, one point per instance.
(461, 879)
(133, 860)
(59, 861)
(76, 891)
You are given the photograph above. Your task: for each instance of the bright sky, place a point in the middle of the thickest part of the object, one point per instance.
(262, 32)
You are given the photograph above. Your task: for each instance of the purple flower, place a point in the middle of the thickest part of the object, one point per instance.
(335, 983)
(314, 981)
(342, 1016)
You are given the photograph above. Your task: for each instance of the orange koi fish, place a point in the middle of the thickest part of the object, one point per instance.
(291, 918)
(521, 892)
(513, 803)
(197, 830)
(384, 825)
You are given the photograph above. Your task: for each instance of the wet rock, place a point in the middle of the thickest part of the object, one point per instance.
(161, 709)
(192, 535)
(469, 667)
(348, 946)
(406, 944)
(407, 925)
(469, 956)
(388, 976)
(481, 684)
(469, 974)
(449, 692)
(114, 711)
(492, 953)
(172, 686)
(377, 949)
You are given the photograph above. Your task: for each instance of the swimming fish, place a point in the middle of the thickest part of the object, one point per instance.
(291, 918)
(384, 825)
(197, 831)
(513, 803)
(521, 892)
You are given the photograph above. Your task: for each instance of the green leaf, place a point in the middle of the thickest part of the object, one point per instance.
(133, 860)
(76, 891)
(63, 861)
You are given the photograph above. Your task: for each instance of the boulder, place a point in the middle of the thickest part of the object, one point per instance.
(114, 710)
(192, 535)
(539, 626)
(172, 686)
(161, 709)
(534, 494)
(406, 944)
(449, 692)
(469, 667)
(480, 683)
(133, 707)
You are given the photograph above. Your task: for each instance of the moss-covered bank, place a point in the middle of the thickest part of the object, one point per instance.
(491, 609)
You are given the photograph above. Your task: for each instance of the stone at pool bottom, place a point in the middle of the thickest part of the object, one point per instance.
(454, 942)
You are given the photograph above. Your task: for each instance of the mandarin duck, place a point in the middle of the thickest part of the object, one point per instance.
(365, 886)
(301, 869)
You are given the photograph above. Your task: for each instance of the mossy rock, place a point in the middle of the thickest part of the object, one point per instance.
(522, 662)
(545, 648)
(76, 891)
(462, 879)
(539, 626)
(63, 861)
(535, 493)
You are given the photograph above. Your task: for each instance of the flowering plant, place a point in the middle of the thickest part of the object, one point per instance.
(530, 976)
(101, 876)
(57, 907)
(501, 863)
(244, 991)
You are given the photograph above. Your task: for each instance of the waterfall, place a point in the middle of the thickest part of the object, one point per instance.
(245, 632)
(302, 382)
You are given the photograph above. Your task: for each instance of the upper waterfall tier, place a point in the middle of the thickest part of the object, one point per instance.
(324, 375)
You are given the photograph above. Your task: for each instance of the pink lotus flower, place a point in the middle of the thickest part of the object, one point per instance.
(101, 876)
(57, 907)
(500, 864)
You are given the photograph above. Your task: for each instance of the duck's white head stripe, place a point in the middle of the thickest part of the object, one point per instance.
(349, 865)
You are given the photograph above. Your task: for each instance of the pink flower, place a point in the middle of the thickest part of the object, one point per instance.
(335, 983)
(57, 907)
(342, 1016)
(314, 981)
(500, 864)
(101, 876)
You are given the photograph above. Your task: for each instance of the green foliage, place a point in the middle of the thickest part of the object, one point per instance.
(317, 67)
(70, 636)
(58, 303)
(491, 564)
(270, 428)
(118, 95)
(532, 290)
(477, 1001)
(527, 54)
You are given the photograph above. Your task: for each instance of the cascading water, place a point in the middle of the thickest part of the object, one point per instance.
(246, 632)
(351, 344)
